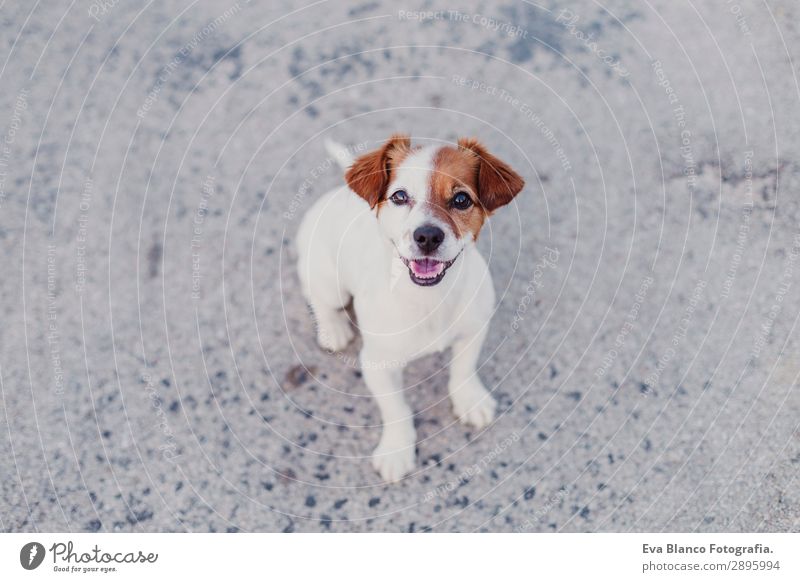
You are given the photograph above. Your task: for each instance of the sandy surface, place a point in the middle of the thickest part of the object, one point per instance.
(158, 365)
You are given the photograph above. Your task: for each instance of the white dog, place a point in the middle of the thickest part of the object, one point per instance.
(400, 242)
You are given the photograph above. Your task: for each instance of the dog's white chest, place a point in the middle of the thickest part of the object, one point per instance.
(405, 329)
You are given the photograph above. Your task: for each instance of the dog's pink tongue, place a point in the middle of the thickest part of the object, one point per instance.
(426, 268)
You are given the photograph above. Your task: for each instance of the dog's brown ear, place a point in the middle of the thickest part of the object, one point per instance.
(369, 175)
(497, 182)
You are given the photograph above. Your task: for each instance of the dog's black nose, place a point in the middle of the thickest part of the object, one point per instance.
(428, 237)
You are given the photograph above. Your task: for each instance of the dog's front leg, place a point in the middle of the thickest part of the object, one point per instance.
(395, 455)
(472, 403)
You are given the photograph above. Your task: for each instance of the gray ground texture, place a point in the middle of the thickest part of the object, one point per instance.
(158, 365)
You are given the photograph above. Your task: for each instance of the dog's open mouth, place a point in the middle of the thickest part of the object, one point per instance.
(426, 272)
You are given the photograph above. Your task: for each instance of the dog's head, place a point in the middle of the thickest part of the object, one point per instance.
(432, 201)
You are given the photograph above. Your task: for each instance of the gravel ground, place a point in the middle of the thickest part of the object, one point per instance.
(158, 365)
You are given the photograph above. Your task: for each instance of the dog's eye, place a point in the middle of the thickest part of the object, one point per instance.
(461, 200)
(400, 197)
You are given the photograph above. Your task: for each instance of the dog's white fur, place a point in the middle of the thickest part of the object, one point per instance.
(345, 253)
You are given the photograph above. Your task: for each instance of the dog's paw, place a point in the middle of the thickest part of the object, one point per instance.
(334, 332)
(394, 458)
(473, 404)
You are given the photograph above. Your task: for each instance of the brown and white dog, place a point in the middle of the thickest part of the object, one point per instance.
(400, 242)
